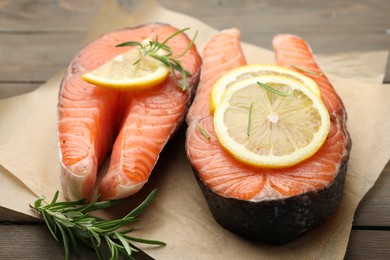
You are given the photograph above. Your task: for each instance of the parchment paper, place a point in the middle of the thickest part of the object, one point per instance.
(29, 164)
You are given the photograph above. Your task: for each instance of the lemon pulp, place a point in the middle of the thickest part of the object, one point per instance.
(264, 129)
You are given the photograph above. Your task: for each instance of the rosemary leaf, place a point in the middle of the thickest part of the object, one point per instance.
(124, 243)
(127, 231)
(73, 214)
(203, 132)
(110, 246)
(73, 240)
(248, 129)
(141, 207)
(54, 198)
(166, 48)
(85, 222)
(306, 70)
(145, 241)
(95, 236)
(98, 250)
(99, 205)
(82, 235)
(174, 34)
(189, 46)
(38, 202)
(123, 44)
(275, 91)
(64, 240)
(50, 224)
(111, 225)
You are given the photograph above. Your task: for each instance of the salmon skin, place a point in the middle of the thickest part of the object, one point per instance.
(141, 122)
(270, 205)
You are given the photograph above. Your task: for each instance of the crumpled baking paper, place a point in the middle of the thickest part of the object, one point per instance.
(179, 216)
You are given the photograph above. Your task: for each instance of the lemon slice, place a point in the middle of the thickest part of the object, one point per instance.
(264, 129)
(127, 71)
(254, 70)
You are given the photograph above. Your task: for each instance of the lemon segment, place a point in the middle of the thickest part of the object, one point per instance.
(264, 129)
(255, 70)
(129, 70)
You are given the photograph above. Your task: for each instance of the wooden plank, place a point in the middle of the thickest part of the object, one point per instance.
(368, 244)
(324, 18)
(38, 244)
(342, 27)
(374, 209)
(43, 15)
(13, 89)
(329, 26)
(36, 57)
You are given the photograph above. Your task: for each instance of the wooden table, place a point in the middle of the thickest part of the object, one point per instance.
(39, 37)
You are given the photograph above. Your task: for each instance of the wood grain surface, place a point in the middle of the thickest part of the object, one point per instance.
(40, 37)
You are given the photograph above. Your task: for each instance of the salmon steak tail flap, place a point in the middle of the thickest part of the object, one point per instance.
(133, 125)
(271, 205)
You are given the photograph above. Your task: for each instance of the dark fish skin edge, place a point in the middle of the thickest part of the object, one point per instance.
(277, 221)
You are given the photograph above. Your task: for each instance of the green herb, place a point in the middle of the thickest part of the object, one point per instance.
(173, 62)
(306, 70)
(269, 88)
(248, 129)
(203, 132)
(71, 220)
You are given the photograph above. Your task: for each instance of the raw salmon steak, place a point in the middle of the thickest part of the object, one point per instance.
(141, 122)
(270, 205)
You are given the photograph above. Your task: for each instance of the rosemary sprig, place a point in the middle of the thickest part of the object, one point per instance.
(173, 62)
(71, 220)
(306, 70)
(275, 91)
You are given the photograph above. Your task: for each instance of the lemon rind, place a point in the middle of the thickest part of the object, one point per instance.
(149, 81)
(269, 161)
